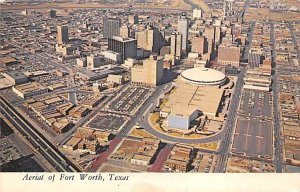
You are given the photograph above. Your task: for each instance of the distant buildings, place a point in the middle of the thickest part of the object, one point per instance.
(197, 13)
(111, 27)
(133, 19)
(176, 44)
(150, 73)
(183, 28)
(229, 56)
(52, 13)
(62, 34)
(127, 47)
(228, 7)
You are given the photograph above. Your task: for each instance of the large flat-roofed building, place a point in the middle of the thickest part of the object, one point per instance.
(111, 27)
(206, 99)
(15, 77)
(62, 34)
(29, 90)
(254, 57)
(229, 56)
(181, 116)
(203, 76)
(256, 79)
(94, 61)
(127, 47)
(150, 73)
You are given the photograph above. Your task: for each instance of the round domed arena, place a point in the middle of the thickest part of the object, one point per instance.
(203, 76)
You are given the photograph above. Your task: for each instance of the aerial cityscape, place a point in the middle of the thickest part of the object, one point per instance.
(197, 86)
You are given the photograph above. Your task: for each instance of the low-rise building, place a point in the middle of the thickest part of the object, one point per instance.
(79, 111)
(29, 90)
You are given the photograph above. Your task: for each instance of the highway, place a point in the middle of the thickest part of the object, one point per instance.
(224, 149)
(51, 154)
(277, 126)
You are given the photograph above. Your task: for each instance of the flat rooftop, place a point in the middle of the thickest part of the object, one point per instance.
(204, 98)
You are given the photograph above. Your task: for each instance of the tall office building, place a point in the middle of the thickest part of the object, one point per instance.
(133, 19)
(183, 28)
(254, 57)
(228, 7)
(176, 44)
(127, 47)
(111, 27)
(209, 33)
(199, 45)
(52, 13)
(217, 35)
(197, 13)
(62, 34)
(150, 73)
(125, 31)
(149, 39)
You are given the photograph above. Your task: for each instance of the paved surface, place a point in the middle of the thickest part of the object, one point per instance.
(161, 158)
(102, 157)
(224, 148)
(253, 137)
(276, 118)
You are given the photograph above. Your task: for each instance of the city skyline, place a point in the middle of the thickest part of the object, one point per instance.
(150, 86)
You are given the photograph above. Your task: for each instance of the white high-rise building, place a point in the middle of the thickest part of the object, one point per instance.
(228, 7)
(183, 28)
(197, 13)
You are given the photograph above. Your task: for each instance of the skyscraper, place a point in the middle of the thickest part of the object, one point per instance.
(183, 28)
(197, 13)
(150, 73)
(176, 44)
(149, 39)
(199, 45)
(62, 34)
(111, 27)
(124, 31)
(52, 13)
(127, 47)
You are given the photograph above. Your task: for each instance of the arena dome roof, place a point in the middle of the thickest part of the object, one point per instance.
(203, 76)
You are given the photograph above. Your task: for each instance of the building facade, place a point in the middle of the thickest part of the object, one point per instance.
(127, 47)
(62, 34)
(183, 28)
(176, 44)
(111, 27)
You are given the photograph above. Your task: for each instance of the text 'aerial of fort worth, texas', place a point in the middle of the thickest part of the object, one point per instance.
(197, 86)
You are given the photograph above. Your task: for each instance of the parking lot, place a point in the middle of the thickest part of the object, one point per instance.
(253, 137)
(107, 122)
(256, 104)
(130, 99)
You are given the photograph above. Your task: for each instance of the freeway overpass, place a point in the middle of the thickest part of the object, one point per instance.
(47, 149)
